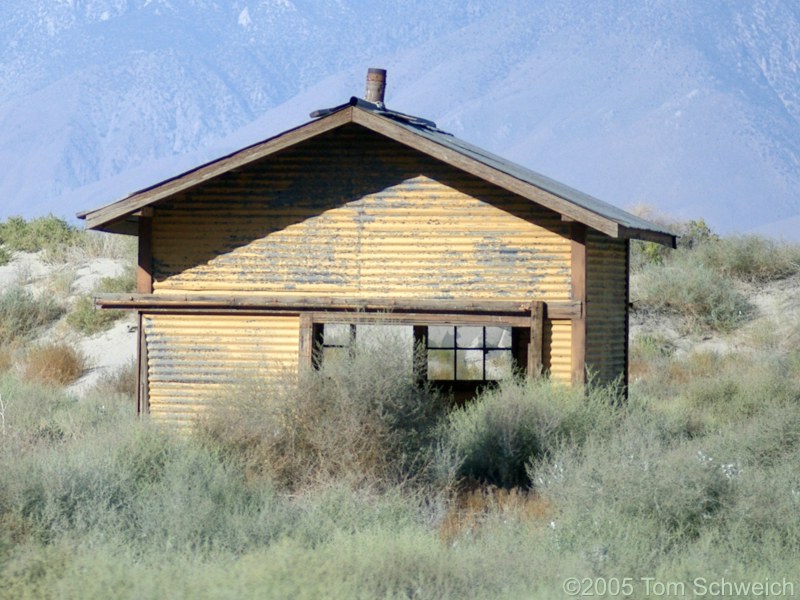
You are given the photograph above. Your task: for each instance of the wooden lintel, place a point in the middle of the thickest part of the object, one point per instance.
(553, 310)
(406, 318)
(567, 219)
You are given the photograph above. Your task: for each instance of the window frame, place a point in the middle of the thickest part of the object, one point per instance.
(527, 328)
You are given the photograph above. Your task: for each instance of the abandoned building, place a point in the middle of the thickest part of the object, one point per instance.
(268, 258)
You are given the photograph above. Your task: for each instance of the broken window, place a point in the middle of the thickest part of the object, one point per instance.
(469, 353)
(454, 351)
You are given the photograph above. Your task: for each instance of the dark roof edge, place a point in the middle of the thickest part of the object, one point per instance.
(564, 199)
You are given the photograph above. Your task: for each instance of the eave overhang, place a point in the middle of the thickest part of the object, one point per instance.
(122, 216)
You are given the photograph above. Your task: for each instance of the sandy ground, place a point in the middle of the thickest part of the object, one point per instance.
(775, 303)
(105, 351)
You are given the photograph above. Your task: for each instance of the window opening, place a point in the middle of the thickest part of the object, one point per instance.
(469, 353)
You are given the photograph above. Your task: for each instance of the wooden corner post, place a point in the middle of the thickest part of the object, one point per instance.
(579, 295)
(144, 269)
(535, 363)
(144, 285)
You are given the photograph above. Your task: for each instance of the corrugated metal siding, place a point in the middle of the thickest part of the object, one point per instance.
(557, 350)
(606, 306)
(194, 360)
(354, 214)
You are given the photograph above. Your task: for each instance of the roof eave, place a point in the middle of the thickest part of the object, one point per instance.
(664, 238)
(104, 217)
(120, 216)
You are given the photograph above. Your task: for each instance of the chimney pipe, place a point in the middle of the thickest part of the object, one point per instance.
(376, 85)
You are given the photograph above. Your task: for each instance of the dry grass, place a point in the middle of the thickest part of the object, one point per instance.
(474, 507)
(6, 359)
(54, 364)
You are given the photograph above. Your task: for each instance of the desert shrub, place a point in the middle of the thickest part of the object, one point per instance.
(5, 256)
(496, 435)
(120, 284)
(750, 258)
(688, 288)
(6, 359)
(43, 233)
(121, 380)
(22, 314)
(87, 319)
(630, 500)
(37, 412)
(54, 363)
(361, 418)
(691, 234)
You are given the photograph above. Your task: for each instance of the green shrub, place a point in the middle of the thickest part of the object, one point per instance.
(691, 235)
(22, 314)
(361, 418)
(496, 435)
(5, 256)
(120, 284)
(44, 233)
(86, 318)
(688, 288)
(750, 258)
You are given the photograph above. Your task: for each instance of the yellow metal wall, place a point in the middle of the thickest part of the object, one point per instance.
(352, 214)
(606, 306)
(195, 360)
(557, 350)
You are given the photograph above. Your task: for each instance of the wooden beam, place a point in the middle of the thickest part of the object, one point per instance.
(185, 302)
(535, 363)
(666, 239)
(144, 269)
(578, 251)
(423, 319)
(142, 380)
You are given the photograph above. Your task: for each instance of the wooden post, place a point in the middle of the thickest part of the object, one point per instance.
(534, 366)
(420, 361)
(579, 295)
(144, 270)
(306, 341)
(143, 385)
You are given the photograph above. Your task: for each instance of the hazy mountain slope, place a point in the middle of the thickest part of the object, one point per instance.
(693, 107)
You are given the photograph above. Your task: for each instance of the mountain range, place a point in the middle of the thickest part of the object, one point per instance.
(690, 107)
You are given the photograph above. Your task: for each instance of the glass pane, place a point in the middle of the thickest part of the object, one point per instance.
(498, 337)
(469, 365)
(336, 334)
(440, 365)
(469, 337)
(499, 364)
(440, 336)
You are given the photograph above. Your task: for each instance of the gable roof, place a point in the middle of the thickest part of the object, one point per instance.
(420, 134)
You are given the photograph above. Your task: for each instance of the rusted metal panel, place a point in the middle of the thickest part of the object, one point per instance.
(607, 307)
(195, 360)
(354, 214)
